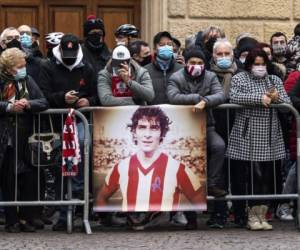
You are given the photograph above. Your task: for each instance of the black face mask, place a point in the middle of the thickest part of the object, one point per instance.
(146, 60)
(49, 53)
(210, 44)
(35, 45)
(95, 38)
(14, 44)
(69, 61)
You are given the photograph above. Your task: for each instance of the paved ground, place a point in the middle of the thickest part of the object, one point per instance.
(284, 236)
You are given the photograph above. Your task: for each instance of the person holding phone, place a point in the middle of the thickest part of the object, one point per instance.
(123, 81)
(69, 81)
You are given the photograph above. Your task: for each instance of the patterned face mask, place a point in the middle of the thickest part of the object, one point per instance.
(279, 49)
(195, 70)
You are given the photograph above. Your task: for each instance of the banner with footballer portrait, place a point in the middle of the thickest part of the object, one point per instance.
(149, 158)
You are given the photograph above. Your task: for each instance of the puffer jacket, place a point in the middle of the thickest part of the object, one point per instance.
(184, 90)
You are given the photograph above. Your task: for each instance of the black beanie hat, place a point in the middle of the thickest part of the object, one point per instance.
(194, 51)
(92, 23)
(246, 44)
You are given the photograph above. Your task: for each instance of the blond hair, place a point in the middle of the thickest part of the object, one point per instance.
(10, 57)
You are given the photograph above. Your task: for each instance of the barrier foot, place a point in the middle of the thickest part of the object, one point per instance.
(69, 219)
(87, 227)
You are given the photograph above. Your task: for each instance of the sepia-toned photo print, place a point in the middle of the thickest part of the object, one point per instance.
(149, 158)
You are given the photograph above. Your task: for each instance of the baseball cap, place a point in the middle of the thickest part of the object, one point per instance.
(69, 45)
(161, 34)
(120, 53)
(34, 31)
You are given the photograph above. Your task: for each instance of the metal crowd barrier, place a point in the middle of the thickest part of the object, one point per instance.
(230, 196)
(295, 196)
(85, 202)
(69, 201)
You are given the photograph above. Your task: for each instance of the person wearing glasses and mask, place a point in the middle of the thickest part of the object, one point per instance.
(26, 39)
(11, 38)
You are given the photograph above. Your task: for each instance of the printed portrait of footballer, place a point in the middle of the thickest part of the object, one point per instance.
(155, 175)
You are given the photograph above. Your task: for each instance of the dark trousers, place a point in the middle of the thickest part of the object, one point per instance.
(26, 190)
(215, 154)
(263, 182)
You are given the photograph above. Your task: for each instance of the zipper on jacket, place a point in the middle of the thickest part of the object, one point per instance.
(165, 77)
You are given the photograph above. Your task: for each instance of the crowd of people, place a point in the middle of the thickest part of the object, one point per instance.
(206, 72)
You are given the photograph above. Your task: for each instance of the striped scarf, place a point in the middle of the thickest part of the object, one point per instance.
(71, 150)
(9, 91)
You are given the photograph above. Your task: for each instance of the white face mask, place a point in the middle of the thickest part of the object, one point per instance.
(242, 60)
(259, 71)
(195, 70)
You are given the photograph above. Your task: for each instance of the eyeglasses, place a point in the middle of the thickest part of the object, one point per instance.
(10, 38)
(25, 32)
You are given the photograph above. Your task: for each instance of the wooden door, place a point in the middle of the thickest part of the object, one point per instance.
(115, 13)
(14, 13)
(68, 16)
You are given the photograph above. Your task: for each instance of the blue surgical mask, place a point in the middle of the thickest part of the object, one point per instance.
(224, 62)
(165, 52)
(26, 41)
(21, 74)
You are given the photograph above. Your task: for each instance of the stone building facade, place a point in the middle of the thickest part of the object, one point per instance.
(185, 17)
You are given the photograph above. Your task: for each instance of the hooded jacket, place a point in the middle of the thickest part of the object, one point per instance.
(56, 79)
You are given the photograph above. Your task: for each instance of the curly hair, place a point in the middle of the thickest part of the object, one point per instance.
(10, 57)
(257, 52)
(151, 112)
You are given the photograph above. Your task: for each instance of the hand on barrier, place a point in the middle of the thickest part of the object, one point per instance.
(273, 94)
(70, 97)
(266, 100)
(25, 103)
(200, 106)
(18, 106)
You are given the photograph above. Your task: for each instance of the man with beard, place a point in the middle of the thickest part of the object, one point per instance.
(278, 42)
(94, 49)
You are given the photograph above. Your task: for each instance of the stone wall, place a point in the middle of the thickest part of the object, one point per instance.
(259, 17)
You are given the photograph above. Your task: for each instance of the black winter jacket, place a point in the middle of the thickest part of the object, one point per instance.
(8, 129)
(56, 80)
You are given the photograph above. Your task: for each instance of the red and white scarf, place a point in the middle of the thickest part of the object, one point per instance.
(71, 150)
